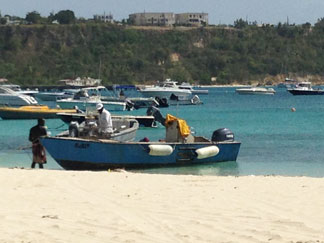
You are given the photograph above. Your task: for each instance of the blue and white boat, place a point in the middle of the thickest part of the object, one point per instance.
(77, 153)
(112, 96)
(53, 96)
(84, 101)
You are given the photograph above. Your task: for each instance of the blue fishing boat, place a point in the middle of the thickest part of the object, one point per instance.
(179, 147)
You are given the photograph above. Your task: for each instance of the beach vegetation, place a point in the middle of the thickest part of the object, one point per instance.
(41, 52)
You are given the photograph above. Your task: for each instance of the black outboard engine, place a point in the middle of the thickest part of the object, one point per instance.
(222, 134)
(162, 102)
(129, 105)
(153, 111)
(174, 97)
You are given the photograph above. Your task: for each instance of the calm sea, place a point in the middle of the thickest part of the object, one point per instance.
(275, 140)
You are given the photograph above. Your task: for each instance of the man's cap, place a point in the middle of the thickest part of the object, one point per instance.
(41, 121)
(99, 106)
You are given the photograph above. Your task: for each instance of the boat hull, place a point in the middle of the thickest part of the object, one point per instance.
(31, 112)
(52, 96)
(80, 154)
(83, 105)
(248, 92)
(306, 92)
(199, 91)
(145, 121)
(184, 94)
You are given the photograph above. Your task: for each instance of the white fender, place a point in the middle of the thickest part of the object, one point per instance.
(160, 150)
(207, 152)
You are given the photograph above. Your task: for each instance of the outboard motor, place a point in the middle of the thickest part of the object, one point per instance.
(129, 105)
(222, 134)
(174, 97)
(153, 111)
(195, 100)
(162, 102)
(74, 129)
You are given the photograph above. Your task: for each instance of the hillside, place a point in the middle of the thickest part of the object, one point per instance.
(44, 54)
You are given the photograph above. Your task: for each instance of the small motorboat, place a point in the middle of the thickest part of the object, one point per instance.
(145, 121)
(178, 148)
(256, 91)
(305, 88)
(84, 101)
(31, 112)
(53, 96)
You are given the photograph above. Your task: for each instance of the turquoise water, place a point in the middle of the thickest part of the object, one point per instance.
(275, 140)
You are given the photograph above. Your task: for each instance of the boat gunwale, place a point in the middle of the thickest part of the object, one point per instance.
(95, 140)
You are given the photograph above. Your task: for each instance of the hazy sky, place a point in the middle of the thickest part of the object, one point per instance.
(220, 11)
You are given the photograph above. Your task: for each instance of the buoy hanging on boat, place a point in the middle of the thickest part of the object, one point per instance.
(207, 152)
(160, 150)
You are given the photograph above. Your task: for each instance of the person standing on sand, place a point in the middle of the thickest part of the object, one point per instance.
(39, 154)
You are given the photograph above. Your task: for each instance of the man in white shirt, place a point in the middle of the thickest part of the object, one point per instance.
(105, 126)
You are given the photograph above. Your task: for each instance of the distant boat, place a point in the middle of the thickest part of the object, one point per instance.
(145, 121)
(53, 96)
(174, 100)
(81, 82)
(110, 95)
(193, 91)
(169, 92)
(83, 101)
(17, 88)
(165, 90)
(256, 91)
(288, 83)
(8, 97)
(305, 88)
(31, 112)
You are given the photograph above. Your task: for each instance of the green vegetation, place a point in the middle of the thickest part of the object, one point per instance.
(45, 53)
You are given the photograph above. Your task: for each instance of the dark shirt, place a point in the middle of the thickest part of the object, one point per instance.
(36, 132)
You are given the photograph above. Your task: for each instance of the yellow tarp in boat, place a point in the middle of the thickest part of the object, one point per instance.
(184, 129)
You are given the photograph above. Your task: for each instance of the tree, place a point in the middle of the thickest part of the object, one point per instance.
(240, 24)
(320, 25)
(3, 21)
(65, 17)
(51, 17)
(33, 17)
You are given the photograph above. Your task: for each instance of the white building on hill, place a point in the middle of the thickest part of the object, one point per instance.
(107, 18)
(169, 19)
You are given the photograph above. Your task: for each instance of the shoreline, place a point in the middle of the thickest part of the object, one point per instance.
(84, 206)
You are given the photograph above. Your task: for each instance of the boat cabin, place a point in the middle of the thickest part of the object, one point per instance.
(99, 91)
(304, 85)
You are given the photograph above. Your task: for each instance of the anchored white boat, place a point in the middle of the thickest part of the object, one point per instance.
(165, 90)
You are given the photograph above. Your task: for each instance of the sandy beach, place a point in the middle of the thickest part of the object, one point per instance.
(70, 206)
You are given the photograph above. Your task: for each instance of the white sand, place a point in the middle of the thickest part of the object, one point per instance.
(62, 206)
